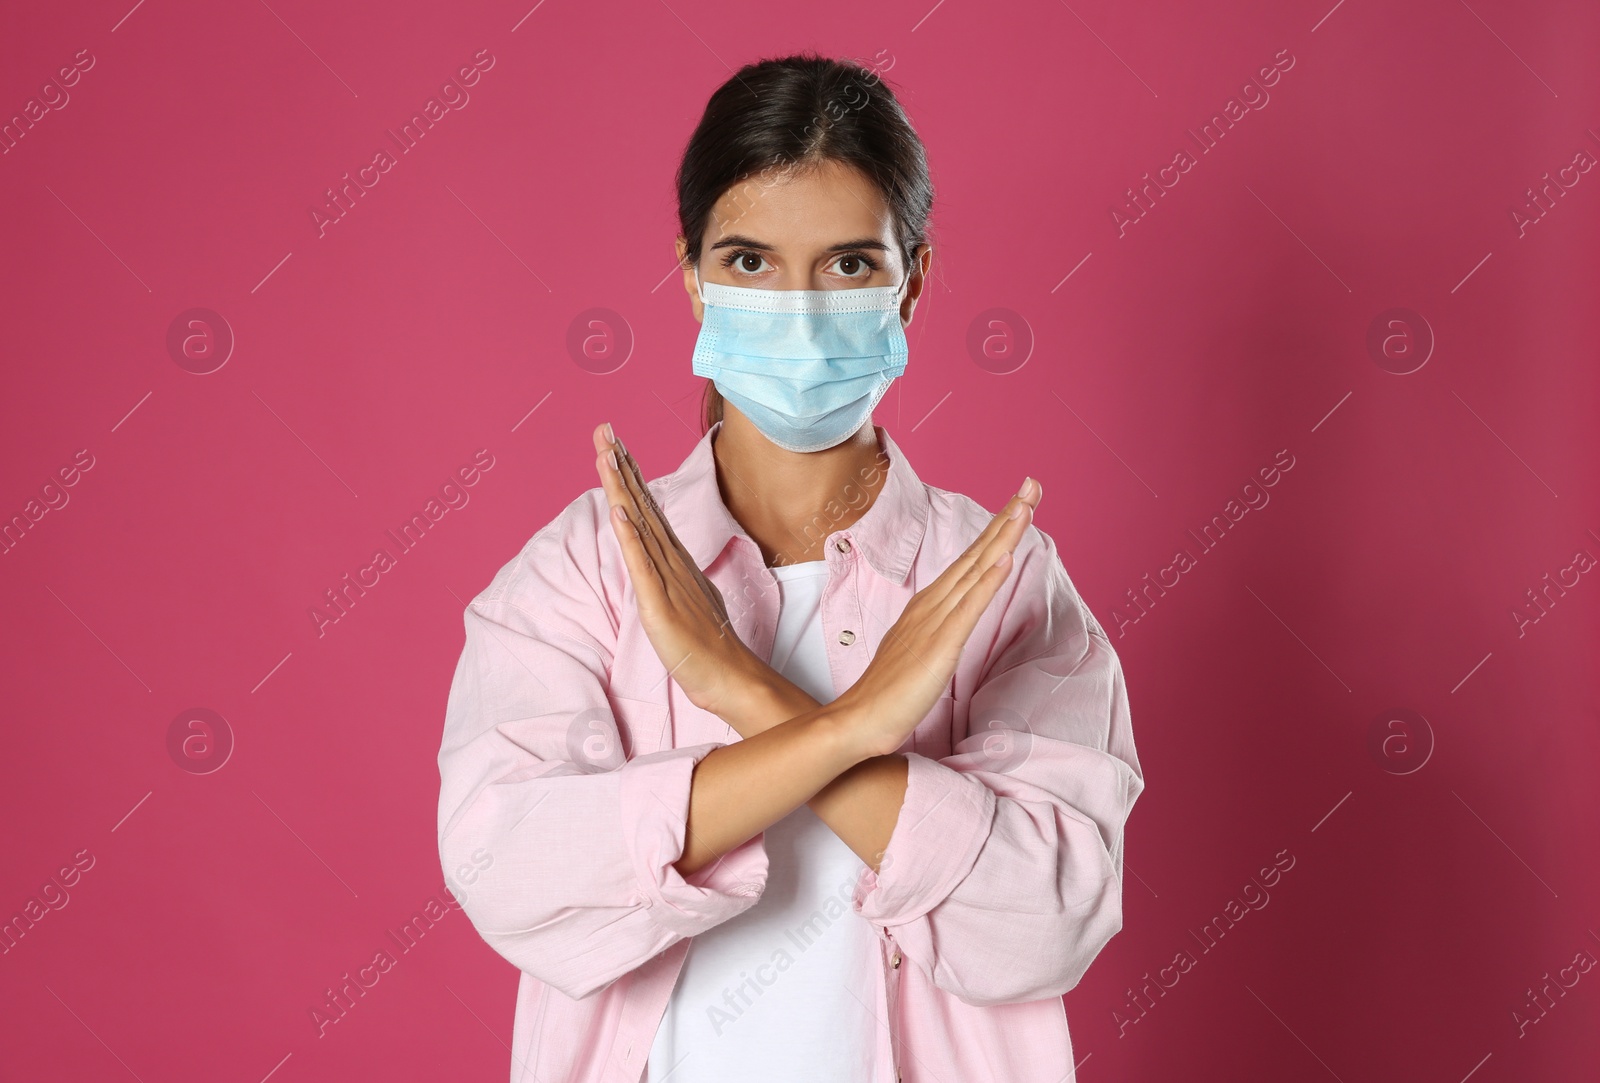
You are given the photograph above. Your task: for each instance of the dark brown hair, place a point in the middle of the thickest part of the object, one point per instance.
(794, 112)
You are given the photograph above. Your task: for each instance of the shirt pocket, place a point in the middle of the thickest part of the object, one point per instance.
(691, 725)
(642, 724)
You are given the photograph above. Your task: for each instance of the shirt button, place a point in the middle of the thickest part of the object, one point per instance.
(847, 637)
(894, 962)
(843, 545)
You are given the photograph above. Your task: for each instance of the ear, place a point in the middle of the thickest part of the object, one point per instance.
(695, 304)
(918, 279)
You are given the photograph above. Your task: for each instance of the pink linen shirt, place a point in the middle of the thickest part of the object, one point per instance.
(567, 756)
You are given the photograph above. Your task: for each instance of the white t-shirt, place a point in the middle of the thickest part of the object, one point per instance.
(777, 993)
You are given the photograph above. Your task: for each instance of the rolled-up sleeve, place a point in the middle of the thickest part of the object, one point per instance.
(1003, 876)
(560, 850)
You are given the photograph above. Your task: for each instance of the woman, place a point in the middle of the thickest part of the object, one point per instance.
(787, 764)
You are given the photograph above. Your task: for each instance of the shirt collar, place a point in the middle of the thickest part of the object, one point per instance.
(888, 535)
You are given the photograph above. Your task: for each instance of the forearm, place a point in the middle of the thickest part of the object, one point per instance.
(741, 789)
(862, 804)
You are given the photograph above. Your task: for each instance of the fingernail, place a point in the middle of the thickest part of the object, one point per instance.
(1025, 483)
(612, 455)
(1016, 512)
(611, 436)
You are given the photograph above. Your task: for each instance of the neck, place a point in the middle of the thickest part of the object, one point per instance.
(789, 501)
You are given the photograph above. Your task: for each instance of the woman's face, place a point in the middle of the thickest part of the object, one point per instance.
(821, 228)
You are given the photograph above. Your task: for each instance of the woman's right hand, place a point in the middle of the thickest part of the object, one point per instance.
(919, 652)
(681, 611)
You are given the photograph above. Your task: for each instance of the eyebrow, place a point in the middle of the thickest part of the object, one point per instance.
(740, 240)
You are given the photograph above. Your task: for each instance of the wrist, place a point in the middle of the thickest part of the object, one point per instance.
(755, 697)
(841, 724)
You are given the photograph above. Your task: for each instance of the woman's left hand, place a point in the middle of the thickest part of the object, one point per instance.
(681, 610)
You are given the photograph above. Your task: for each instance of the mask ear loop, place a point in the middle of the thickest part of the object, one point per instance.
(902, 289)
(900, 293)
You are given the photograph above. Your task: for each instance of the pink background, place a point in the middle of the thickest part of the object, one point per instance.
(1380, 583)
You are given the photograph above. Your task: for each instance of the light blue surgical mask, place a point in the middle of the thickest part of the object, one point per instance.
(805, 366)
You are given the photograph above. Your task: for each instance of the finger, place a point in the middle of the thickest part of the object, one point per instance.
(1029, 495)
(633, 477)
(616, 491)
(1001, 549)
(643, 498)
(969, 585)
(659, 525)
(1002, 544)
(963, 616)
(618, 496)
(647, 585)
(1027, 498)
(662, 546)
(644, 512)
(637, 504)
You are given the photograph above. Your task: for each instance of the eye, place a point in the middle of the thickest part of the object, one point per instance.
(856, 265)
(748, 261)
